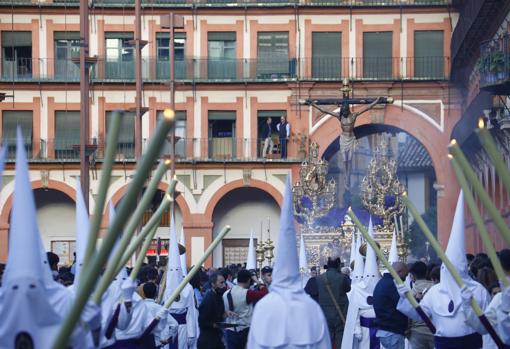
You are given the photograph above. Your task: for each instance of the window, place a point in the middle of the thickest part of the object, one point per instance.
(17, 55)
(65, 250)
(126, 144)
(428, 54)
(273, 56)
(119, 62)
(222, 134)
(163, 55)
(377, 55)
(221, 55)
(10, 121)
(327, 55)
(67, 47)
(262, 116)
(180, 134)
(67, 134)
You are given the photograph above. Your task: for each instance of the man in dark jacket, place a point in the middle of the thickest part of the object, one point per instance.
(333, 287)
(390, 322)
(210, 313)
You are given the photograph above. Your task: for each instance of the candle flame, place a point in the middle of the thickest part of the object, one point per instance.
(168, 162)
(453, 141)
(480, 123)
(450, 156)
(169, 113)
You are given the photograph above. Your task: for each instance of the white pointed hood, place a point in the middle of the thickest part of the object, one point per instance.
(184, 263)
(286, 275)
(277, 312)
(174, 273)
(82, 231)
(393, 255)
(456, 253)
(251, 261)
(371, 276)
(25, 307)
(359, 263)
(371, 272)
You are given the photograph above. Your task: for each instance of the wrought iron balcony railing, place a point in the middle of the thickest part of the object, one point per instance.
(494, 65)
(213, 149)
(235, 3)
(200, 70)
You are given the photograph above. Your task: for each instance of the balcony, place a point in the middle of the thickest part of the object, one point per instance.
(39, 70)
(494, 65)
(198, 70)
(215, 149)
(253, 3)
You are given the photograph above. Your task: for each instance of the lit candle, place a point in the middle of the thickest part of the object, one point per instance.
(143, 251)
(92, 271)
(499, 222)
(131, 226)
(390, 269)
(268, 228)
(106, 170)
(477, 218)
(490, 147)
(437, 248)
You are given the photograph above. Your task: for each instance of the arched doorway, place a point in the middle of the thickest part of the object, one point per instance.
(163, 231)
(415, 171)
(245, 209)
(56, 219)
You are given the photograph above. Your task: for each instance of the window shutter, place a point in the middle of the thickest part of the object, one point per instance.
(127, 127)
(66, 35)
(67, 129)
(377, 55)
(222, 115)
(221, 36)
(327, 55)
(428, 54)
(16, 39)
(11, 120)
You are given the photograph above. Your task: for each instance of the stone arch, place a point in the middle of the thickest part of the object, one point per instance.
(266, 187)
(433, 139)
(180, 201)
(6, 209)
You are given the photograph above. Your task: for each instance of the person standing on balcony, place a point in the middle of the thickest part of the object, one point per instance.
(283, 134)
(267, 130)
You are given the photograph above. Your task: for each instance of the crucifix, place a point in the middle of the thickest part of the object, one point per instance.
(347, 120)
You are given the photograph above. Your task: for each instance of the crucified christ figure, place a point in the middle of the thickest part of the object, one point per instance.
(347, 120)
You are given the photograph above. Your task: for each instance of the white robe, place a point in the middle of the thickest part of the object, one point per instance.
(453, 325)
(111, 298)
(357, 307)
(282, 317)
(141, 318)
(167, 326)
(498, 319)
(186, 304)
